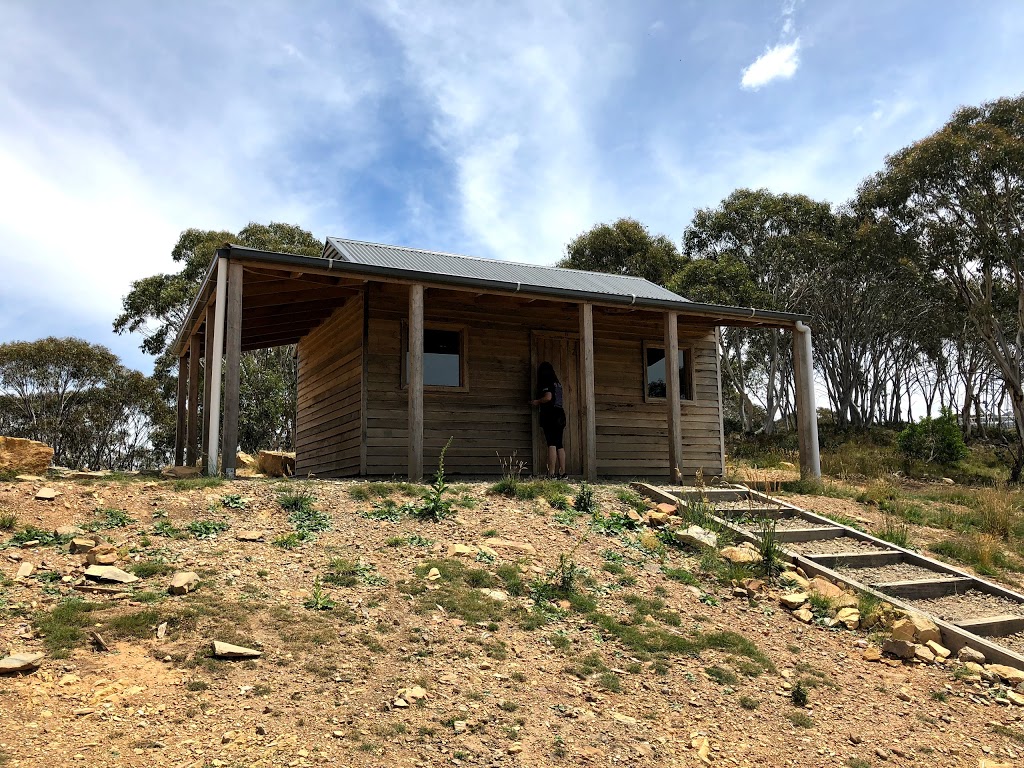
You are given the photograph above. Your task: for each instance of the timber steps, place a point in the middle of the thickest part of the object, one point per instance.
(969, 611)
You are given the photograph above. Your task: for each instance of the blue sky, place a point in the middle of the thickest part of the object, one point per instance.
(494, 129)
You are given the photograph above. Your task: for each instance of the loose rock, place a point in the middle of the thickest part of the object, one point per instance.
(744, 553)
(229, 651)
(109, 573)
(21, 662)
(46, 494)
(102, 554)
(183, 582)
(967, 653)
(697, 537)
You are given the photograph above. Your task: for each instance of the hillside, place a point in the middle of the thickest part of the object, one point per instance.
(543, 637)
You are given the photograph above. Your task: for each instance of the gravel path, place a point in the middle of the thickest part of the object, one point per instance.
(790, 524)
(1013, 642)
(886, 573)
(742, 504)
(834, 546)
(972, 604)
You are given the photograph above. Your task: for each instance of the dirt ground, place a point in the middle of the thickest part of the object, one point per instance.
(502, 691)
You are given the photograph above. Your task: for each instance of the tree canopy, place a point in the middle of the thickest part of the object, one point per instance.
(625, 247)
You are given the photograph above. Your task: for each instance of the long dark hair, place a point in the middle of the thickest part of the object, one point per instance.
(546, 375)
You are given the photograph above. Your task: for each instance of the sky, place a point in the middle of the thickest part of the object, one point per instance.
(493, 129)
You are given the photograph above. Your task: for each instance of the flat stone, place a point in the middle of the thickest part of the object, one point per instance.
(29, 478)
(21, 662)
(901, 649)
(1009, 674)
(794, 600)
(516, 546)
(80, 546)
(109, 573)
(657, 519)
(923, 653)
(229, 651)
(848, 617)
(967, 653)
(804, 615)
(102, 554)
(668, 509)
(794, 579)
(1015, 698)
(461, 550)
(745, 553)
(495, 594)
(24, 570)
(46, 494)
(180, 473)
(825, 588)
(697, 537)
(940, 651)
(68, 530)
(871, 654)
(183, 582)
(249, 535)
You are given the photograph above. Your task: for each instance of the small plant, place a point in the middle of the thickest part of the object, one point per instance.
(166, 529)
(8, 520)
(297, 501)
(769, 548)
(415, 540)
(207, 529)
(584, 502)
(386, 509)
(800, 719)
(722, 676)
(288, 541)
(435, 506)
(319, 600)
(558, 501)
(512, 469)
(109, 518)
(232, 501)
(895, 531)
(821, 606)
(799, 695)
(749, 703)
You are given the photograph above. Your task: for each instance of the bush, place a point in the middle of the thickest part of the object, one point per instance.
(935, 440)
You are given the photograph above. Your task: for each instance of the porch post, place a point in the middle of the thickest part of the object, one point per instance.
(207, 382)
(218, 350)
(415, 383)
(675, 419)
(588, 409)
(192, 426)
(232, 370)
(179, 432)
(806, 413)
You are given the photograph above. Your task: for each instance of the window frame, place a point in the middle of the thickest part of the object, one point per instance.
(403, 354)
(686, 354)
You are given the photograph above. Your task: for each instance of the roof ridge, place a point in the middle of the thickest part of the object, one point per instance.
(500, 261)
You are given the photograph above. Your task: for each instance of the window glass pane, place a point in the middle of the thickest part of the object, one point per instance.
(441, 350)
(655, 372)
(656, 385)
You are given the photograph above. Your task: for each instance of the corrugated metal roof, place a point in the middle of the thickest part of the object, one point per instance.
(441, 265)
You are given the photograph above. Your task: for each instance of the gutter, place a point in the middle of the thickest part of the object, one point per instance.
(710, 311)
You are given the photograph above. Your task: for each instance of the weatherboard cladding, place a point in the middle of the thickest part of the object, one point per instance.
(475, 268)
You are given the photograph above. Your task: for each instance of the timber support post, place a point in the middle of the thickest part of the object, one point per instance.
(415, 383)
(207, 383)
(672, 394)
(806, 413)
(180, 424)
(588, 409)
(215, 358)
(192, 422)
(232, 369)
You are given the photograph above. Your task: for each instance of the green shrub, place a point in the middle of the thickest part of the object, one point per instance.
(435, 506)
(934, 439)
(584, 502)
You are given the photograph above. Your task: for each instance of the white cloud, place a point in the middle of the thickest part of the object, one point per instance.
(776, 63)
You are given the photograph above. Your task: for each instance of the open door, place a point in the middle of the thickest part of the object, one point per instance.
(562, 350)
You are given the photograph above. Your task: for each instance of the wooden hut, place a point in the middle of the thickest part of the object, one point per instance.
(400, 350)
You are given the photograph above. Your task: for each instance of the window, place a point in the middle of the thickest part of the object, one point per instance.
(444, 357)
(654, 373)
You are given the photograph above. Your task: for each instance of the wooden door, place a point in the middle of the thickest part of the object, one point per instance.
(562, 350)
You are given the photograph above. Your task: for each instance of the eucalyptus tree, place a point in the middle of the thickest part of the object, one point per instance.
(625, 247)
(960, 194)
(778, 238)
(156, 306)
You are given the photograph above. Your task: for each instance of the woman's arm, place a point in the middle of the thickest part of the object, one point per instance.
(545, 398)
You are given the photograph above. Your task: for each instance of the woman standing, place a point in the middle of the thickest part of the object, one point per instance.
(552, 417)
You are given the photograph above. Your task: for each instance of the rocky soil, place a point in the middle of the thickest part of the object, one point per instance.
(513, 633)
